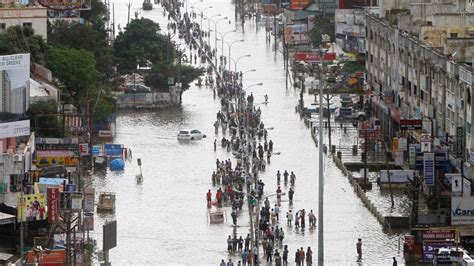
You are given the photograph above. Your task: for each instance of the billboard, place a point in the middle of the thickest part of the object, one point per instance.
(89, 199)
(55, 157)
(70, 201)
(89, 221)
(14, 129)
(113, 150)
(296, 34)
(15, 83)
(31, 207)
(53, 205)
(462, 210)
(456, 185)
(46, 257)
(396, 176)
(411, 124)
(66, 6)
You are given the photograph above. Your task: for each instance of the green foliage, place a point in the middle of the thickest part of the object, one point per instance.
(322, 26)
(353, 66)
(75, 70)
(19, 39)
(97, 14)
(159, 74)
(78, 36)
(139, 44)
(104, 108)
(45, 126)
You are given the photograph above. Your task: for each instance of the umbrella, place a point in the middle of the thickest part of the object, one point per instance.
(117, 165)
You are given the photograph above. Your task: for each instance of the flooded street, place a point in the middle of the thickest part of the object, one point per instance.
(164, 220)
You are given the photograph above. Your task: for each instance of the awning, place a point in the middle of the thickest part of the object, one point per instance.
(6, 218)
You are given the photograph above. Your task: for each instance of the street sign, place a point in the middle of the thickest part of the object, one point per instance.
(70, 201)
(95, 150)
(113, 150)
(428, 169)
(430, 247)
(109, 235)
(411, 124)
(460, 142)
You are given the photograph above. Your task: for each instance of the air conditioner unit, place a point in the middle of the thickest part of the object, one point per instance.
(18, 157)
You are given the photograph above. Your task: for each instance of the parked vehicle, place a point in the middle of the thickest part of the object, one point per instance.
(314, 109)
(348, 113)
(193, 134)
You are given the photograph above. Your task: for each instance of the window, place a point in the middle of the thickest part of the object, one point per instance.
(468, 95)
(3, 27)
(414, 89)
(28, 24)
(453, 35)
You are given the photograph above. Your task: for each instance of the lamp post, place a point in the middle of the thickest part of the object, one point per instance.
(202, 14)
(215, 36)
(222, 37)
(230, 47)
(191, 5)
(209, 19)
(238, 59)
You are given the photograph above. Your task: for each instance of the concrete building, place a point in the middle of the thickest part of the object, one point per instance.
(13, 13)
(413, 78)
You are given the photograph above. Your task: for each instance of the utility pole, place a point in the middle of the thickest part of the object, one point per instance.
(22, 204)
(321, 177)
(128, 16)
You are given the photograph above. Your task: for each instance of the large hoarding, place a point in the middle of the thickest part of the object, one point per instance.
(462, 210)
(31, 207)
(55, 157)
(14, 129)
(14, 83)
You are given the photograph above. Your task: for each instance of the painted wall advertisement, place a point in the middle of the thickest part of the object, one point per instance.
(31, 207)
(462, 210)
(55, 157)
(428, 168)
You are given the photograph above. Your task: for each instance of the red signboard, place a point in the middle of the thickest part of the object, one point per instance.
(439, 235)
(409, 242)
(369, 130)
(314, 58)
(411, 124)
(299, 4)
(53, 205)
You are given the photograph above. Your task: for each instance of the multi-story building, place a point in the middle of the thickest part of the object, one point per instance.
(14, 13)
(414, 55)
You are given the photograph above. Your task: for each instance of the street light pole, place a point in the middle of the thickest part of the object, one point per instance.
(230, 47)
(209, 19)
(215, 37)
(237, 61)
(202, 15)
(222, 47)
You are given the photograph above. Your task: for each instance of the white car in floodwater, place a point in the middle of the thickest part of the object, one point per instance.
(193, 134)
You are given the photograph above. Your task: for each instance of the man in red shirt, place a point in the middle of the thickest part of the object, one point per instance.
(219, 197)
(209, 197)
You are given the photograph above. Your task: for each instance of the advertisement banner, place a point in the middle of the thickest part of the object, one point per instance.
(314, 58)
(269, 9)
(411, 124)
(430, 247)
(459, 142)
(462, 210)
(15, 83)
(402, 144)
(113, 150)
(15, 129)
(50, 257)
(53, 205)
(299, 4)
(412, 156)
(396, 176)
(428, 168)
(31, 207)
(55, 157)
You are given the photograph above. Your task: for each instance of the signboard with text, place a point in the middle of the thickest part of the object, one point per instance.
(428, 168)
(462, 210)
(53, 205)
(113, 150)
(459, 142)
(411, 124)
(15, 129)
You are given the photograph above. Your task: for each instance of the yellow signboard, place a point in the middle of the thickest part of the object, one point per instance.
(31, 207)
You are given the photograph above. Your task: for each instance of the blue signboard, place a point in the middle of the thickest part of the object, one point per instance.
(428, 169)
(113, 150)
(430, 248)
(95, 150)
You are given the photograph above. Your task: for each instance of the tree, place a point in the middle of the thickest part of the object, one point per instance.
(322, 26)
(18, 39)
(75, 70)
(43, 119)
(104, 108)
(159, 74)
(79, 36)
(140, 44)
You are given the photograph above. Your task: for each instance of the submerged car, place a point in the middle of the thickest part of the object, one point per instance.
(193, 134)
